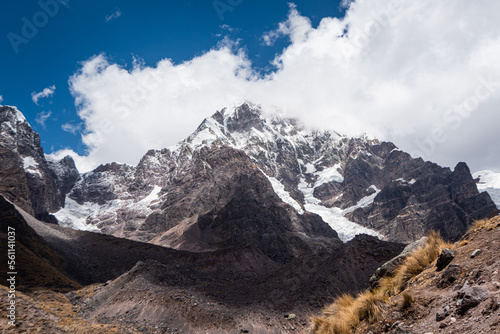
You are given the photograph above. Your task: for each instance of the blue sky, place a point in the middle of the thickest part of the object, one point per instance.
(423, 74)
(148, 30)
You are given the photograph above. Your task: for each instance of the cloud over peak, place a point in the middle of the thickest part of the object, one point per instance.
(422, 74)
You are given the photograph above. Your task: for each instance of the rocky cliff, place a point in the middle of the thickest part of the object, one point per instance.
(245, 178)
(356, 185)
(86, 282)
(27, 178)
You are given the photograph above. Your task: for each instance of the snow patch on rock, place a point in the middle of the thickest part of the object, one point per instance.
(74, 215)
(31, 166)
(334, 217)
(364, 202)
(328, 175)
(284, 195)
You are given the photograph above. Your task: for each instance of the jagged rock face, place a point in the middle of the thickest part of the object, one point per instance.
(13, 181)
(419, 196)
(13, 184)
(102, 185)
(195, 194)
(65, 176)
(218, 198)
(179, 195)
(235, 205)
(28, 179)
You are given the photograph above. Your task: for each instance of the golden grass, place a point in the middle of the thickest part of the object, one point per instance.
(479, 224)
(408, 300)
(419, 259)
(346, 312)
(489, 224)
(370, 305)
(339, 317)
(343, 315)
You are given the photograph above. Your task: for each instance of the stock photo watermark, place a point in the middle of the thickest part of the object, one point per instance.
(124, 106)
(223, 6)
(455, 116)
(31, 26)
(380, 20)
(11, 276)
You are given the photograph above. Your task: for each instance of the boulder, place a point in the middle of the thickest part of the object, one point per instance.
(446, 256)
(449, 276)
(473, 297)
(390, 266)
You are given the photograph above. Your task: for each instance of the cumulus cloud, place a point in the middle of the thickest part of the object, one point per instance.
(423, 74)
(346, 3)
(42, 117)
(46, 92)
(1, 98)
(296, 27)
(114, 15)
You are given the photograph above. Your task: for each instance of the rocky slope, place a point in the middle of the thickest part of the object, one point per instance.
(26, 177)
(461, 297)
(248, 219)
(133, 287)
(356, 185)
(36, 261)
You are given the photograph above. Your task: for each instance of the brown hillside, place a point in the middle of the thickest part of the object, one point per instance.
(463, 297)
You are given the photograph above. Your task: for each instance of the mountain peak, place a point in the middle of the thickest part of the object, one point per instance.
(11, 113)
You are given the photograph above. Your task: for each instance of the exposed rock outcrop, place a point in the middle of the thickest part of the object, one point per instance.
(27, 178)
(185, 196)
(417, 197)
(137, 286)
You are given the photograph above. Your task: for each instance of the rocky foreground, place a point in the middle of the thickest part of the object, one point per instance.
(84, 282)
(458, 292)
(251, 224)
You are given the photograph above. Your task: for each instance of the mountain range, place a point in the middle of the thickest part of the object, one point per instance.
(247, 200)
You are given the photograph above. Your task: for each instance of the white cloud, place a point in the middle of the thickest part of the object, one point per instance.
(46, 92)
(71, 128)
(114, 15)
(42, 117)
(346, 3)
(393, 69)
(296, 27)
(1, 98)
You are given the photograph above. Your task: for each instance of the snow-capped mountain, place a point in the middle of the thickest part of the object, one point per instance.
(27, 178)
(356, 185)
(245, 179)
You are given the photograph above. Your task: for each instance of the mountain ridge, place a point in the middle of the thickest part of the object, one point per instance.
(355, 185)
(246, 220)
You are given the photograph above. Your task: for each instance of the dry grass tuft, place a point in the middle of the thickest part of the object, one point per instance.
(479, 224)
(369, 306)
(489, 224)
(408, 300)
(419, 259)
(347, 312)
(341, 303)
(339, 317)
